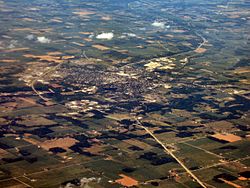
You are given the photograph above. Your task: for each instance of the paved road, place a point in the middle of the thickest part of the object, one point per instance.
(168, 151)
(33, 83)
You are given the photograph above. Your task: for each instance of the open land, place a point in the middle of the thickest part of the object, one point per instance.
(131, 93)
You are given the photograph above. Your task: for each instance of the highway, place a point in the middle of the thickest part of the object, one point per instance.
(168, 151)
(33, 83)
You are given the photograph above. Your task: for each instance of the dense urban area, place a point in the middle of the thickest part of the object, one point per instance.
(129, 93)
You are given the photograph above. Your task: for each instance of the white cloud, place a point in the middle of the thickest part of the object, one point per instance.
(13, 44)
(131, 34)
(30, 37)
(127, 35)
(159, 24)
(105, 36)
(122, 37)
(43, 40)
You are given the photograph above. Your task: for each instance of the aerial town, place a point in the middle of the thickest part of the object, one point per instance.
(124, 94)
